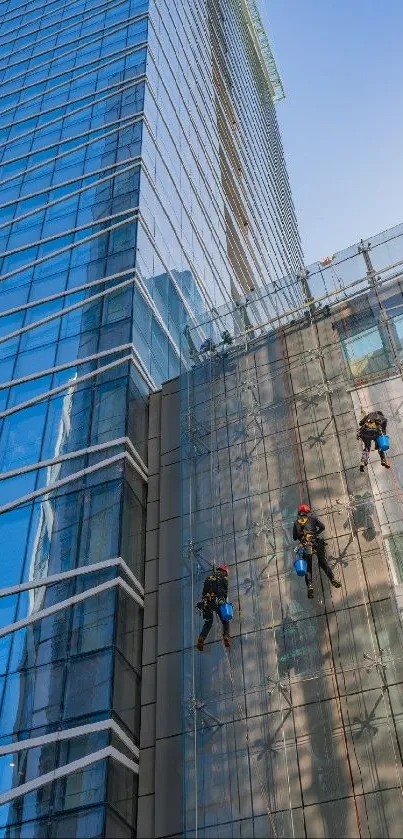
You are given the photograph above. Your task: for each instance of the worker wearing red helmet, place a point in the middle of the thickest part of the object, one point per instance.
(306, 530)
(215, 592)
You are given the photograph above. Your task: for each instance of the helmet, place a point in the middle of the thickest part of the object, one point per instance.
(223, 568)
(304, 508)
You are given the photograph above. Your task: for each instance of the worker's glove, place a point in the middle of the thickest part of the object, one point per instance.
(358, 437)
(199, 605)
(221, 601)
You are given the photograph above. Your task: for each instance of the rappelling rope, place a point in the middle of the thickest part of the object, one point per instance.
(249, 380)
(350, 522)
(252, 752)
(323, 465)
(215, 500)
(192, 619)
(242, 714)
(365, 599)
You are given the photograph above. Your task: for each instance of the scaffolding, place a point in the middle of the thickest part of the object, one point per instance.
(297, 731)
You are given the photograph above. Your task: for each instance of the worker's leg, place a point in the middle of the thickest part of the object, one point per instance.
(208, 623)
(366, 441)
(308, 575)
(384, 459)
(321, 554)
(225, 633)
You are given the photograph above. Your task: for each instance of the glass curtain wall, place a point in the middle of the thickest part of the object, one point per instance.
(216, 214)
(73, 417)
(297, 730)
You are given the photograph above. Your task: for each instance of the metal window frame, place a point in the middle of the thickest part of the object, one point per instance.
(117, 26)
(60, 388)
(42, 582)
(98, 65)
(69, 769)
(44, 464)
(22, 11)
(75, 192)
(88, 470)
(134, 280)
(69, 247)
(131, 119)
(58, 368)
(117, 582)
(70, 231)
(116, 88)
(71, 734)
(66, 310)
(133, 358)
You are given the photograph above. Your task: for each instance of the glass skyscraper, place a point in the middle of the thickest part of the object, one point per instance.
(142, 180)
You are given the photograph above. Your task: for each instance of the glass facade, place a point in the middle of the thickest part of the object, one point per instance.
(297, 731)
(142, 181)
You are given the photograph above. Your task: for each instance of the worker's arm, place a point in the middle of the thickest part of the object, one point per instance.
(224, 589)
(296, 532)
(384, 425)
(319, 526)
(206, 587)
(363, 421)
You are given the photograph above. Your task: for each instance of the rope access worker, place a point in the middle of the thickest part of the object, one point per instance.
(371, 426)
(306, 530)
(215, 592)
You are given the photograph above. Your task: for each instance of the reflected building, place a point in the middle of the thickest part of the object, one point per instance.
(142, 182)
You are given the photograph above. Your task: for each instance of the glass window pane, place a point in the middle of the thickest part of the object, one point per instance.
(122, 790)
(88, 686)
(126, 696)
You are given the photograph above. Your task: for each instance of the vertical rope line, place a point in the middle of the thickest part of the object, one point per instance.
(192, 597)
(239, 411)
(315, 336)
(382, 685)
(374, 647)
(269, 589)
(215, 501)
(244, 717)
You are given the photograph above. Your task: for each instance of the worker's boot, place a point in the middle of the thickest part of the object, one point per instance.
(335, 583)
(227, 641)
(310, 592)
(362, 467)
(200, 643)
(385, 462)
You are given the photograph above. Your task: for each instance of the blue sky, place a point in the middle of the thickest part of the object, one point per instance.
(341, 62)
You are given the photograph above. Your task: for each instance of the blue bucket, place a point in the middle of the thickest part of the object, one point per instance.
(226, 611)
(382, 442)
(300, 565)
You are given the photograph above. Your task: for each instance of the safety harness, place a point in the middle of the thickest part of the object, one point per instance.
(306, 536)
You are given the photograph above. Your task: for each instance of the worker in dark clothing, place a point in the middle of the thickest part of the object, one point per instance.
(371, 426)
(207, 346)
(215, 592)
(306, 530)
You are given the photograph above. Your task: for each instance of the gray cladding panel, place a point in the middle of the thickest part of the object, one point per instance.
(146, 817)
(168, 786)
(169, 695)
(171, 559)
(170, 621)
(170, 421)
(147, 771)
(170, 503)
